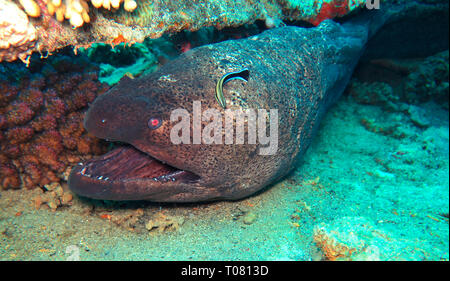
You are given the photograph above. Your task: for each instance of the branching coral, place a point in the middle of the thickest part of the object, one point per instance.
(76, 11)
(41, 123)
(31, 8)
(129, 5)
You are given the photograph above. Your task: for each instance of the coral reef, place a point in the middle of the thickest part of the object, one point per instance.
(104, 21)
(332, 9)
(121, 60)
(77, 11)
(142, 58)
(152, 18)
(405, 90)
(429, 80)
(393, 83)
(17, 34)
(41, 130)
(31, 8)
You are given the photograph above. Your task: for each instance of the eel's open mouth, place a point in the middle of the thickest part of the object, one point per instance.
(107, 176)
(128, 163)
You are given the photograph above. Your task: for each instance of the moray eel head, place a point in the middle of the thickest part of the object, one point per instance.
(148, 166)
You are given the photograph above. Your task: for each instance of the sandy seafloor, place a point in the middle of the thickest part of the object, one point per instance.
(357, 195)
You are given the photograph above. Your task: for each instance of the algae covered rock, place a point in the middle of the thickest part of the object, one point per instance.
(357, 238)
(394, 83)
(429, 81)
(376, 93)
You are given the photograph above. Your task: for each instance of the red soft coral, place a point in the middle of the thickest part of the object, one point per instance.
(41, 124)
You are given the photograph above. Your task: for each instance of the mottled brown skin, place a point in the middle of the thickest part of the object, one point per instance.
(298, 71)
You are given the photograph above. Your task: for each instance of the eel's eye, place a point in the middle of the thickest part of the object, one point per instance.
(154, 123)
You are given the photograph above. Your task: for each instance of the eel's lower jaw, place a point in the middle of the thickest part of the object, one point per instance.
(126, 173)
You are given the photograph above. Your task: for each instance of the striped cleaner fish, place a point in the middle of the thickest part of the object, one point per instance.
(241, 75)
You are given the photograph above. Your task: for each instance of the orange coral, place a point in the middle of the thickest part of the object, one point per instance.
(330, 10)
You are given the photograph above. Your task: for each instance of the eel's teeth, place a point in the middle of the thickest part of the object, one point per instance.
(83, 170)
(100, 177)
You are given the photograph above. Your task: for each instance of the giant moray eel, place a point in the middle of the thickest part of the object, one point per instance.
(298, 71)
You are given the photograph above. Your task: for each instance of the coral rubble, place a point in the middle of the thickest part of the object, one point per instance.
(41, 129)
(53, 197)
(163, 223)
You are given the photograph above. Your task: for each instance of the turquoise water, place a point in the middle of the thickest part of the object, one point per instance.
(373, 185)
